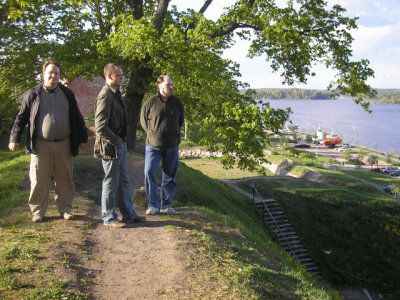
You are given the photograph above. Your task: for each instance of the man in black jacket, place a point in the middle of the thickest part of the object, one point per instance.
(162, 117)
(56, 131)
(110, 146)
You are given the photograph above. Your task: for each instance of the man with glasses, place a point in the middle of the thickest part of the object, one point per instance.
(110, 146)
(162, 117)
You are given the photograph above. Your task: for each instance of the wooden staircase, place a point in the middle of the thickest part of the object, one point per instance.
(283, 232)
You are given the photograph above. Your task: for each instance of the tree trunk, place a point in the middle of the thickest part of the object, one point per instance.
(138, 83)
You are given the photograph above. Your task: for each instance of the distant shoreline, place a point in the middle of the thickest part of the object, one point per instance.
(384, 96)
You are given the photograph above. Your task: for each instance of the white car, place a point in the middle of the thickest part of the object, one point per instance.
(389, 170)
(342, 148)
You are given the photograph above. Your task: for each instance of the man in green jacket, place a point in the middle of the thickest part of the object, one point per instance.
(162, 117)
(110, 146)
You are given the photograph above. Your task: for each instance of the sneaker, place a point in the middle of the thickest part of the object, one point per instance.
(151, 211)
(116, 224)
(138, 219)
(169, 211)
(67, 216)
(37, 218)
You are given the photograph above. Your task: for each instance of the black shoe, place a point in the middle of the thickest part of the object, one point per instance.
(138, 219)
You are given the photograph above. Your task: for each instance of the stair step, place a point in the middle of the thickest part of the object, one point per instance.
(274, 218)
(288, 238)
(285, 233)
(304, 260)
(294, 246)
(290, 243)
(257, 201)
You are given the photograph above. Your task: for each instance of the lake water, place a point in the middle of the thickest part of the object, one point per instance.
(344, 117)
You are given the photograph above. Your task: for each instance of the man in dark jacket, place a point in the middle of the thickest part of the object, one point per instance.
(162, 117)
(110, 146)
(56, 132)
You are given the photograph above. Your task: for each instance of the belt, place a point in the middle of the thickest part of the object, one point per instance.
(55, 140)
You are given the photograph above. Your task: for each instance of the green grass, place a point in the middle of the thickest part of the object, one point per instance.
(211, 167)
(357, 225)
(355, 222)
(13, 167)
(265, 273)
(374, 177)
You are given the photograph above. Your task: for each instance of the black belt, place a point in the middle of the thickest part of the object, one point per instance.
(54, 140)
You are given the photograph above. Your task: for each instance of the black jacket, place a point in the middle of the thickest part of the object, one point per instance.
(29, 111)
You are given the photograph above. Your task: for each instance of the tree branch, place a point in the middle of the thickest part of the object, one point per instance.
(229, 28)
(161, 13)
(205, 6)
(136, 7)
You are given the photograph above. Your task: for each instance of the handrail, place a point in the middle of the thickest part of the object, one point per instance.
(277, 227)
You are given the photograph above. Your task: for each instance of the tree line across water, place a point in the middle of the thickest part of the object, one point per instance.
(390, 96)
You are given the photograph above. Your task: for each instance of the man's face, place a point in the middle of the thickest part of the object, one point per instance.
(166, 87)
(115, 78)
(51, 76)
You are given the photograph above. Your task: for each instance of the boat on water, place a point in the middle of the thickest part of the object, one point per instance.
(332, 140)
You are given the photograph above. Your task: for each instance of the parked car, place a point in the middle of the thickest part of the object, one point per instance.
(389, 170)
(395, 173)
(388, 189)
(342, 148)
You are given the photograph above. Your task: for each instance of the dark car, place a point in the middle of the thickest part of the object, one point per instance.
(395, 173)
(388, 189)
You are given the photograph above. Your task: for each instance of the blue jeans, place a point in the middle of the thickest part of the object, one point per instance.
(170, 160)
(115, 184)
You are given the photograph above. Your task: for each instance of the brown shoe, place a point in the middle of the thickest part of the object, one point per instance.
(116, 224)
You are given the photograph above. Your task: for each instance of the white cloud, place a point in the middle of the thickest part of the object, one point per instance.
(376, 39)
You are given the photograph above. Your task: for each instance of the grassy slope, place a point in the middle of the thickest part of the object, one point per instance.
(351, 229)
(270, 274)
(13, 167)
(241, 262)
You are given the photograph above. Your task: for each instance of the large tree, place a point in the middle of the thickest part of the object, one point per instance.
(149, 38)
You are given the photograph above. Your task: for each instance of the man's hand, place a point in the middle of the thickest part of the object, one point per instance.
(83, 146)
(13, 146)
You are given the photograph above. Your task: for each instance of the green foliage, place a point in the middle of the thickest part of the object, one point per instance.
(309, 138)
(8, 110)
(346, 154)
(291, 93)
(151, 39)
(387, 96)
(396, 187)
(373, 159)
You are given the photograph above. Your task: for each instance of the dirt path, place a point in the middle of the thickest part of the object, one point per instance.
(138, 262)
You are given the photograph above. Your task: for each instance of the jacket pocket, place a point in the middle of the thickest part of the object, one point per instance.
(104, 149)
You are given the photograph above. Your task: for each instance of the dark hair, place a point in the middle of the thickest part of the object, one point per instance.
(161, 79)
(51, 62)
(110, 68)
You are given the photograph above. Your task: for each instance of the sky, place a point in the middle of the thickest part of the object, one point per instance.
(376, 39)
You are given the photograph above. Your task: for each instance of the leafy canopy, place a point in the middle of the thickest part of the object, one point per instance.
(149, 38)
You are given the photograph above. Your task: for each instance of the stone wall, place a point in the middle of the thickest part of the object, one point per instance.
(193, 153)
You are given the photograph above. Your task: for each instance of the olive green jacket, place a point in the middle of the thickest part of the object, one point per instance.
(110, 123)
(162, 121)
